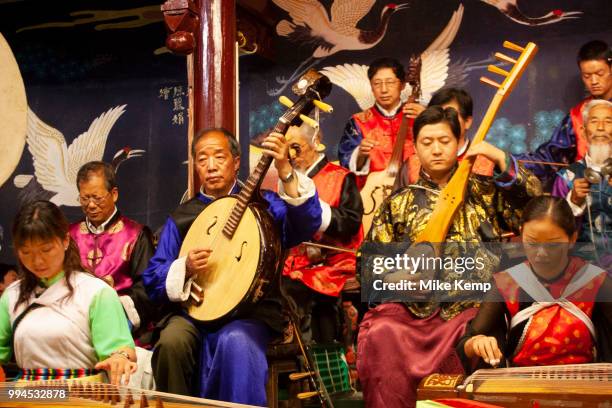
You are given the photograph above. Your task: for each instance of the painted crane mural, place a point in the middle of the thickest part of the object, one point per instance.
(56, 164)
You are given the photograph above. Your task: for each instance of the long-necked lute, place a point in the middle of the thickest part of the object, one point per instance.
(453, 194)
(246, 249)
(379, 184)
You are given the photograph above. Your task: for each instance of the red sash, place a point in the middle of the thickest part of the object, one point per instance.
(577, 123)
(553, 335)
(329, 276)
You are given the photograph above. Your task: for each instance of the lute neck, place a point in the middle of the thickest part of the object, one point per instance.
(251, 186)
(453, 194)
(397, 156)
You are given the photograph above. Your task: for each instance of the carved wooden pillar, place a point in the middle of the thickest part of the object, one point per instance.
(205, 31)
(215, 65)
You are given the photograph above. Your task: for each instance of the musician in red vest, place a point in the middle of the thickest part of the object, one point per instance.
(223, 361)
(568, 143)
(552, 309)
(317, 276)
(369, 136)
(112, 246)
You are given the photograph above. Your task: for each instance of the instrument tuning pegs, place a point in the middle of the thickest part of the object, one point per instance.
(197, 299)
(307, 395)
(285, 101)
(197, 289)
(300, 376)
(325, 107)
(505, 58)
(490, 82)
(512, 46)
(497, 70)
(309, 121)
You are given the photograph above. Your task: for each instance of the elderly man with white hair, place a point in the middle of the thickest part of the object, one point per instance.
(587, 185)
(313, 276)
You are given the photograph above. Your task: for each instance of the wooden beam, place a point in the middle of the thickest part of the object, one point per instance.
(215, 65)
(205, 31)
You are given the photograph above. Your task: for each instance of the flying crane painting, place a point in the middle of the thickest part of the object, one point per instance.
(56, 164)
(310, 23)
(353, 78)
(510, 9)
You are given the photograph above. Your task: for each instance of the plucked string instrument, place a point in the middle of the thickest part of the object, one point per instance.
(246, 249)
(379, 184)
(572, 385)
(453, 194)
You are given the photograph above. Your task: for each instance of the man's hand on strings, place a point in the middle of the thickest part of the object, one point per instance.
(495, 154)
(412, 110)
(197, 260)
(277, 147)
(580, 191)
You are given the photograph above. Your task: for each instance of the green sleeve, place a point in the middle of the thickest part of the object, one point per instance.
(6, 332)
(109, 326)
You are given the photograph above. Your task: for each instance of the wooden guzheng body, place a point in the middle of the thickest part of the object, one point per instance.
(88, 394)
(579, 386)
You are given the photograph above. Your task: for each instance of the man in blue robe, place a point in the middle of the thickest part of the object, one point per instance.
(223, 361)
(573, 185)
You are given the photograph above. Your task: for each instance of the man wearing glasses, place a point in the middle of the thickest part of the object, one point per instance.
(112, 246)
(369, 136)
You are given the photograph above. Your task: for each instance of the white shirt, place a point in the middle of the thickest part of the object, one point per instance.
(100, 228)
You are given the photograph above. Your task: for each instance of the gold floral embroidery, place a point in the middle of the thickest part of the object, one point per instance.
(117, 227)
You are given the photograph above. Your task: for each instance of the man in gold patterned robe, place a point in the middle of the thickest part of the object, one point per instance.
(401, 343)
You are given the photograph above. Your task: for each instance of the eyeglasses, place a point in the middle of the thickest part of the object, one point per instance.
(95, 200)
(389, 83)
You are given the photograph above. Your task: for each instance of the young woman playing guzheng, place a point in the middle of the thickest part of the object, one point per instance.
(571, 320)
(60, 321)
